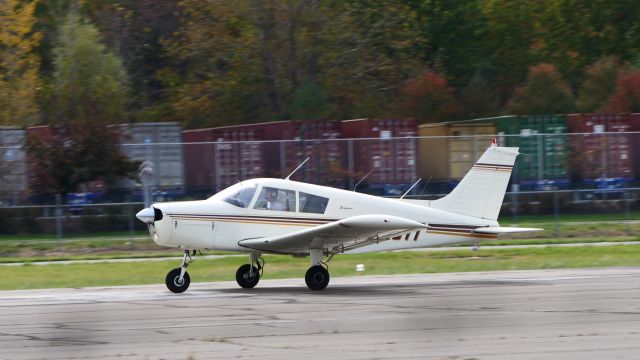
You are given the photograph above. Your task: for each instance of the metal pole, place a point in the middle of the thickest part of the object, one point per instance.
(58, 221)
(540, 160)
(605, 163)
(216, 167)
(350, 163)
(556, 212)
(514, 201)
(283, 160)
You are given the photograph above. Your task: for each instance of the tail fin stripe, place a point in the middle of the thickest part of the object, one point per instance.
(495, 165)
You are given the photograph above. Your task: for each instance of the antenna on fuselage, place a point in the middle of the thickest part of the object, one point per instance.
(296, 169)
(366, 176)
(425, 186)
(411, 188)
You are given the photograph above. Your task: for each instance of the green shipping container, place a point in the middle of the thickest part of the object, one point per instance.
(543, 157)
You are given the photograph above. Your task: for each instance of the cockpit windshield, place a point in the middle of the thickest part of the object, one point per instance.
(238, 195)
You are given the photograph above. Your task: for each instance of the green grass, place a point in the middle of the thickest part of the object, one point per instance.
(131, 251)
(486, 259)
(52, 237)
(634, 215)
(550, 241)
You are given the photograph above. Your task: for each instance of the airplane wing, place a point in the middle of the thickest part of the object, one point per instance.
(337, 236)
(503, 230)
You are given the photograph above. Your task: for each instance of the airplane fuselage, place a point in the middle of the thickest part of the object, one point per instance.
(221, 224)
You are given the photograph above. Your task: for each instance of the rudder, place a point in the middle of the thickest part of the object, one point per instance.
(481, 191)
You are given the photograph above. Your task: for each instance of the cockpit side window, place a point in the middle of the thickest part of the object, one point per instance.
(276, 199)
(313, 203)
(242, 197)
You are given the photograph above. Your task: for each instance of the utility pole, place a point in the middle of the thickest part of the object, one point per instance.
(145, 171)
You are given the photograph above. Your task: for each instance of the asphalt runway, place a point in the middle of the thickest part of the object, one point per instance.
(547, 314)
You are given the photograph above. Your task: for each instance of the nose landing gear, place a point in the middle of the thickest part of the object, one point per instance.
(178, 279)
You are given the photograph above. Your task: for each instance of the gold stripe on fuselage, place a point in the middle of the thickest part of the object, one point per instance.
(321, 222)
(256, 221)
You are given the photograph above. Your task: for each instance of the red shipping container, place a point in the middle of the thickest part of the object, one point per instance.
(235, 153)
(199, 159)
(598, 155)
(43, 132)
(318, 140)
(394, 160)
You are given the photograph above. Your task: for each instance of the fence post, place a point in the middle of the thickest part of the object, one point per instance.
(131, 220)
(556, 212)
(627, 214)
(58, 221)
(514, 201)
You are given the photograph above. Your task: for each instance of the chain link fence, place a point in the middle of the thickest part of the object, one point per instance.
(555, 176)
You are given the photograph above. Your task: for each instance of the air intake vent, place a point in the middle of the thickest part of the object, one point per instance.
(157, 214)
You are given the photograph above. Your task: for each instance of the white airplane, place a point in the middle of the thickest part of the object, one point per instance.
(280, 216)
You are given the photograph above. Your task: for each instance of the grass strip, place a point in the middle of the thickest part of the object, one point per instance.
(486, 259)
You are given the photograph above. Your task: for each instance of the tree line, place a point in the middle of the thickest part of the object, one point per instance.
(217, 62)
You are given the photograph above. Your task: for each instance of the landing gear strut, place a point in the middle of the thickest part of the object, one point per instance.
(248, 275)
(317, 277)
(178, 279)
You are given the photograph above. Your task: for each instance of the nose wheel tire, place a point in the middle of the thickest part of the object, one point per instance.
(247, 279)
(317, 278)
(174, 283)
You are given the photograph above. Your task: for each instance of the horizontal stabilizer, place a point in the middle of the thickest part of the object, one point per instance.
(503, 230)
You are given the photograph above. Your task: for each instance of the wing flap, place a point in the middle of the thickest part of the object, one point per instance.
(343, 232)
(503, 230)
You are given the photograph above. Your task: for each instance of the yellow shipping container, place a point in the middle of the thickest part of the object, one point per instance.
(451, 156)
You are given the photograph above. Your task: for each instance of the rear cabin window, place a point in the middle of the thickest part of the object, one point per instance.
(276, 199)
(313, 203)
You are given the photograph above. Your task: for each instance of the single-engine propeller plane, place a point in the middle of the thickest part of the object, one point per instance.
(280, 216)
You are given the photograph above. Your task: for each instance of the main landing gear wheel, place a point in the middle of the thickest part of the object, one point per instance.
(247, 276)
(174, 283)
(178, 279)
(317, 277)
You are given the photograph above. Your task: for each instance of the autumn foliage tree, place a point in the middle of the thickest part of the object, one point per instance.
(626, 97)
(90, 82)
(599, 84)
(545, 92)
(429, 98)
(67, 157)
(89, 92)
(19, 64)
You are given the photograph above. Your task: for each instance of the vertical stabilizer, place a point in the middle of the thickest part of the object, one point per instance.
(481, 191)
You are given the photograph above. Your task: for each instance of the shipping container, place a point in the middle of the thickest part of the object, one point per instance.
(13, 164)
(378, 145)
(239, 152)
(596, 155)
(433, 152)
(543, 146)
(199, 160)
(319, 141)
(159, 143)
(449, 150)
